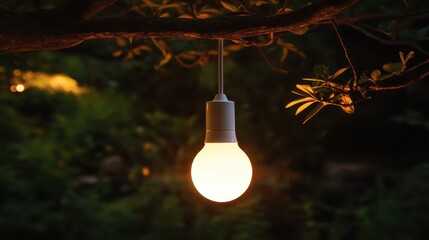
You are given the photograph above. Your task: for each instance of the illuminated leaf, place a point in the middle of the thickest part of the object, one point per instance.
(300, 93)
(402, 57)
(117, 53)
(299, 31)
(185, 16)
(337, 73)
(409, 56)
(167, 6)
(393, 67)
(285, 52)
(307, 99)
(313, 80)
(233, 47)
(313, 112)
(203, 15)
(261, 3)
(346, 100)
(375, 74)
(212, 11)
(305, 88)
(303, 107)
(285, 10)
(121, 42)
(164, 15)
(229, 6)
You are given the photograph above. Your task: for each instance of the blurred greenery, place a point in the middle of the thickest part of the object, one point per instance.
(112, 160)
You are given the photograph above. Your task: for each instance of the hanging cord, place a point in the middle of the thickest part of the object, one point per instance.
(220, 66)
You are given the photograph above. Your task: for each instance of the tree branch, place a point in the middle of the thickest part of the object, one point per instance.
(355, 78)
(49, 31)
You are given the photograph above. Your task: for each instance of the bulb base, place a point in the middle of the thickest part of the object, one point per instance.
(220, 120)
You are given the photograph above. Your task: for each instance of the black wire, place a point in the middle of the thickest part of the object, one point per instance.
(220, 66)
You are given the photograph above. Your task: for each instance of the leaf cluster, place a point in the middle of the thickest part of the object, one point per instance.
(324, 89)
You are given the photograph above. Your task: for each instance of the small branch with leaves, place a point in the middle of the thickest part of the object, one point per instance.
(325, 90)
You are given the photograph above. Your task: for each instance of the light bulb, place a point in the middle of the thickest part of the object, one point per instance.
(221, 172)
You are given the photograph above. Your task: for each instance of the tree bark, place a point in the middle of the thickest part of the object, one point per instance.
(54, 30)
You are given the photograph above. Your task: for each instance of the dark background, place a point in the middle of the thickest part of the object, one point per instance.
(112, 160)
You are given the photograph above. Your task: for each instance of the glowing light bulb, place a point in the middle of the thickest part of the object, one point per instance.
(221, 172)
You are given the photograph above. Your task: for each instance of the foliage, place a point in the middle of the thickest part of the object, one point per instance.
(112, 162)
(324, 90)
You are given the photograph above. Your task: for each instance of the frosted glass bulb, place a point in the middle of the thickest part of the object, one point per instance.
(221, 172)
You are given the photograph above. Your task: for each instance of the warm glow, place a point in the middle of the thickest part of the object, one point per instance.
(20, 88)
(221, 172)
(145, 171)
(44, 81)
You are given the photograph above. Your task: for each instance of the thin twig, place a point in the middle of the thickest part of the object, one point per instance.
(255, 44)
(388, 42)
(245, 5)
(355, 78)
(396, 87)
(271, 63)
(191, 6)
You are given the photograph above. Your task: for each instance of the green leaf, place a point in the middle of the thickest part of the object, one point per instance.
(229, 6)
(305, 88)
(299, 101)
(302, 107)
(337, 73)
(321, 71)
(313, 112)
(393, 67)
(299, 31)
(375, 74)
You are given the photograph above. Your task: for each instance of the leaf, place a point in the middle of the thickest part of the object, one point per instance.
(233, 47)
(402, 57)
(299, 31)
(393, 67)
(121, 42)
(301, 93)
(375, 74)
(321, 71)
(302, 107)
(117, 53)
(313, 112)
(229, 6)
(185, 16)
(346, 100)
(305, 88)
(285, 52)
(313, 80)
(261, 2)
(164, 15)
(409, 56)
(203, 15)
(299, 101)
(337, 73)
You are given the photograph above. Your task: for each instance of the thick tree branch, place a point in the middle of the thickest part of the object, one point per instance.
(49, 31)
